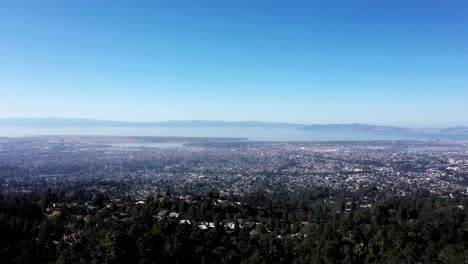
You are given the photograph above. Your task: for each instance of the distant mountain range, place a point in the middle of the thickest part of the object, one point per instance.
(358, 127)
(457, 130)
(74, 122)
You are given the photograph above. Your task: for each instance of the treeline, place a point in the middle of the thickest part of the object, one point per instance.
(307, 226)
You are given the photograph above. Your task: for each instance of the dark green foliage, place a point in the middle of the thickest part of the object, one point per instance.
(315, 226)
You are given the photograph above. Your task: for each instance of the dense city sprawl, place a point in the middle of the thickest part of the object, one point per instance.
(230, 166)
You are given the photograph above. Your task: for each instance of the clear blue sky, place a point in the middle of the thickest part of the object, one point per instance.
(379, 62)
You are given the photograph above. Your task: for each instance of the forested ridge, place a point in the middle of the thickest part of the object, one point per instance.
(306, 226)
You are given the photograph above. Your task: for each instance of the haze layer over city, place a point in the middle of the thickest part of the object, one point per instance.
(233, 132)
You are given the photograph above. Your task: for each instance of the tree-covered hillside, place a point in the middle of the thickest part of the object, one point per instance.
(308, 226)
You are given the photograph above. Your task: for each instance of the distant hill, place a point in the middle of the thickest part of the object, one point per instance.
(72, 122)
(76, 122)
(358, 128)
(456, 130)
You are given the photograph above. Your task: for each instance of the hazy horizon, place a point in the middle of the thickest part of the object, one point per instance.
(26, 119)
(252, 130)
